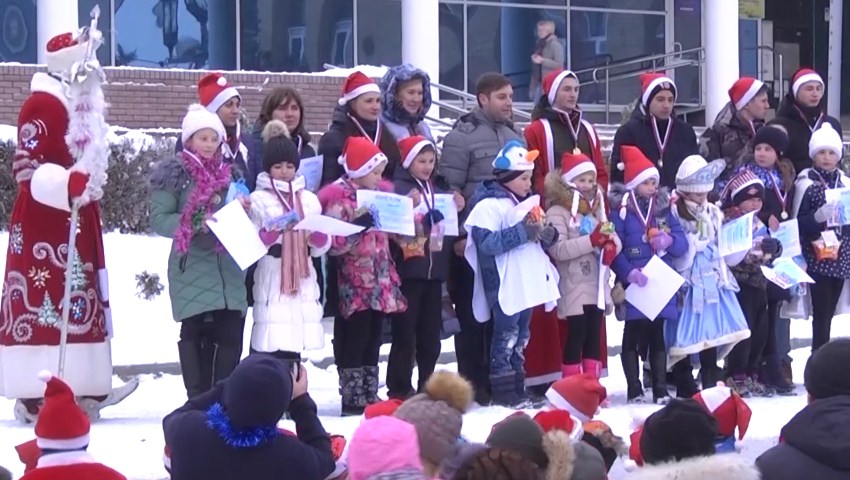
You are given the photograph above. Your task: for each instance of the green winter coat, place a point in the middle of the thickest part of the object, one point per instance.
(202, 280)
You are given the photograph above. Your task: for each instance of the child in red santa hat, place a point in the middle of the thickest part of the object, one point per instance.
(62, 436)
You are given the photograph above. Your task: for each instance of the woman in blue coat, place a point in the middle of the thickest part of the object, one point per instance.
(647, 227)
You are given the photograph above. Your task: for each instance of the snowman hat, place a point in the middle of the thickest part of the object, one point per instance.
(515, 157)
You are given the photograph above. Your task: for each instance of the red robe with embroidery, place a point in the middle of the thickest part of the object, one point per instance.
(31, 303)
(544, 353)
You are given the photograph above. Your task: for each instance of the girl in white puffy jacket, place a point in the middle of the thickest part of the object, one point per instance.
(287, 310)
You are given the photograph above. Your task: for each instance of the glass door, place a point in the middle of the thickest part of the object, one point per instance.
(684, 17)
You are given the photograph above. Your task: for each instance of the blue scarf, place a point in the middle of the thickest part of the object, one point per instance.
(768, 176)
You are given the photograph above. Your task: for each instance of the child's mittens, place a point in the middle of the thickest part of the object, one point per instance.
(825, 212)
(661, 241)
(364, 220)
(269, 237)
(597, 238)
(637, 277)
(432, 218)
(548, 236)
(609, 252)
(771, 246)
(317, 240)
(532, 227)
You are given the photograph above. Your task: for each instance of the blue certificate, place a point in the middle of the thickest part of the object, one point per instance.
(392, 213)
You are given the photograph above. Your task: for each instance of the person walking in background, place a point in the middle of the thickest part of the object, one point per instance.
(654, 129)
(205, 285)
(466, 161)
(736, 124)
(406, 99)
(548, 55)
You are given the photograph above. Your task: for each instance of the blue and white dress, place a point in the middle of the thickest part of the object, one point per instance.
(711, 316)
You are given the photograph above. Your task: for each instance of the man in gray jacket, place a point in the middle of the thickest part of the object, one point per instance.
(466, 161)
(548, 56)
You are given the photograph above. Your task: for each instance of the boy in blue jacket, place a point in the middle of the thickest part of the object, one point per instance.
(647, 228)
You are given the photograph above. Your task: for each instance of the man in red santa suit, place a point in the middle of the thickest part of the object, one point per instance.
(558, 128)
(62, 435)
(33, 290)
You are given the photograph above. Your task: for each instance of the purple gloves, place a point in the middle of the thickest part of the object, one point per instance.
(661, 241)
(269, 237)
(317, 240)
(637, 277)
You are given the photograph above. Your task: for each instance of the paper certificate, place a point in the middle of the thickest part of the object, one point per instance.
(737, 235)
(663, 283)
(237, 234)
(788, 235)
(842, 212)
(311, 170)
(392, 213)
(786, 273)
(445, 203)
(328, 226)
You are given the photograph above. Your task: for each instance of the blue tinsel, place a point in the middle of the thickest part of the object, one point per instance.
(238, 438)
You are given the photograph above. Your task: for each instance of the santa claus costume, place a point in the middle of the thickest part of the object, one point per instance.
(554, 132)
(50, 175)
(62, 435)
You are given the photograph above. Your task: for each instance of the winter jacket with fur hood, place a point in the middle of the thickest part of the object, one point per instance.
(400, 122)
(576, 258)
(728, 139)
(728, 466)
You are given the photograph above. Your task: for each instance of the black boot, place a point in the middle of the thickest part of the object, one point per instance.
(773, 376)
(504, 390)
(226, 359)
(634, 389)
(191, 368)
(683, 373)
(658, 364)
(352, 391)
(519, 386)
(710, 375)
(370, 384)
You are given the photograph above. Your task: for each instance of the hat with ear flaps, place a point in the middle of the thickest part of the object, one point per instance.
(278, 147)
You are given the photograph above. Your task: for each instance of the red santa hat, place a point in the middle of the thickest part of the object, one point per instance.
(637, 167)
(214, 91)
(62, 424)
(743, 90)
(804, 75)
(355, 85)
(729, 410)
(559, 420)
(410, 148)
(63, 51)
(385, 408)
(552, 82)
(580, 395)
(360, 156)
(652, 83)
(573, 165)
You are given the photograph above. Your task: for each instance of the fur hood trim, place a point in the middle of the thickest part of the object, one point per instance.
(558, 192)
(561, 454)
(723, 465)
(616, 192)
(169, 174)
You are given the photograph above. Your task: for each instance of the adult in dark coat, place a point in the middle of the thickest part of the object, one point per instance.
(802, 112)
(231, 431)
(814, 444)
(220, 97)
(653, 128)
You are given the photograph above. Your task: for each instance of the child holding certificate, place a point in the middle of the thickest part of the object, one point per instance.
(423, 266)
(744, 194)
(577, 211)
(824, 246)
(287, 311)
(711, 322)
(647, 228)
(513, 274)
(369, 285)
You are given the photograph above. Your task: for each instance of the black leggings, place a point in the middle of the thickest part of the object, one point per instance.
(219, 327)
(583, 338)
(825, 294)
(745, 358)
(643, 331)
(359, 338)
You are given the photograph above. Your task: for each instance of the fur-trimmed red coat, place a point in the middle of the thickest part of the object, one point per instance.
(30, 309)
(74, 465)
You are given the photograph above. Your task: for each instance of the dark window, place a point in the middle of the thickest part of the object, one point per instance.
(104, 24)
(20, 38)
(622, 4)
(379, 32)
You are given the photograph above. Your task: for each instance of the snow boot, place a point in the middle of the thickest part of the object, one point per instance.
(26, 410)
(225, 360)
(352, 391)
(634, 389)
(774, 378)
(658, 365)
(739, 384)
(710, 375)
(522, 393)
(192, 368)
(647, 376)
(371, 384)
(593, 367)
(683, 373)
(570, 370)
(93, 405)
(504, 390)
(759, 389)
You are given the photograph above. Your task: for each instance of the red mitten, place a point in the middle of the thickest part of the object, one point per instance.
(77, 182)
(597, 238)
(609, 251)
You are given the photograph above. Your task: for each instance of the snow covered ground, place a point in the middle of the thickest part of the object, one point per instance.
(129, 437)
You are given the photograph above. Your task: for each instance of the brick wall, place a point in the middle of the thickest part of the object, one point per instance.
(150, 98)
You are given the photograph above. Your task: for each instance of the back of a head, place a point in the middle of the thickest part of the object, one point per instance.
(5, 474)
(682, 429)
(826, 375)
(258, 392)
(278, 147)
(499, 464)
(490, 82)
(383, 445)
